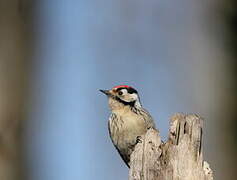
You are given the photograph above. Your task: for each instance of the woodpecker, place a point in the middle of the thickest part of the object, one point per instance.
(128, 120)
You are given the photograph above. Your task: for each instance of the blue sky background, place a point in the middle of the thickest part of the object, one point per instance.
(161, 48)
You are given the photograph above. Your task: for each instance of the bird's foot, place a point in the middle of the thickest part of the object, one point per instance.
(139, 139)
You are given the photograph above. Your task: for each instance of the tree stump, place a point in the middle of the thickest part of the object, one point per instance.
(180, 158)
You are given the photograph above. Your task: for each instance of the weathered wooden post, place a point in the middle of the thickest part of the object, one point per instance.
(180, 158)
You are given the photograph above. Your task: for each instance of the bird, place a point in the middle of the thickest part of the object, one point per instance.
(128, 120)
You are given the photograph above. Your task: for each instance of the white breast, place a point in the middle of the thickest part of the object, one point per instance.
(125, 126)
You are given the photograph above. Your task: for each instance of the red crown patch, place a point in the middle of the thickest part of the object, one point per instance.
(121, 86)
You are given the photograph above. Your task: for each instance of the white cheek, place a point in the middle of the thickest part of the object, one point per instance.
(124, 91)
(133, 97)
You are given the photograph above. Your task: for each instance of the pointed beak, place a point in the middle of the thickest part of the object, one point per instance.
(106, 92)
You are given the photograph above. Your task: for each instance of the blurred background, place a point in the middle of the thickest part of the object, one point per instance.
(55, 55)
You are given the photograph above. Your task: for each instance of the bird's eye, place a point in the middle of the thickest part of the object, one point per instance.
(120, 93)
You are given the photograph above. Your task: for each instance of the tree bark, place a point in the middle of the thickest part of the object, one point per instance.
(180, 158)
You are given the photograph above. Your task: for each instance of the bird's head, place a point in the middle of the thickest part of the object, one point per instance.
(122, 95)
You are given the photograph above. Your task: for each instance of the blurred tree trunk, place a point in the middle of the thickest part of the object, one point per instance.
(13, 79)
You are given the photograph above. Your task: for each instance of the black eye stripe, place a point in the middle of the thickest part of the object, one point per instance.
(130, 90)
(120, 89)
